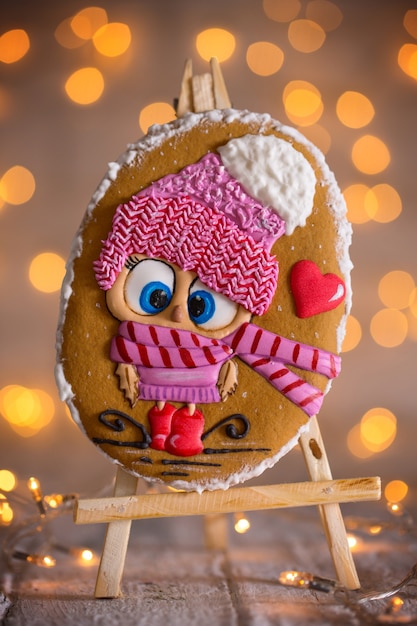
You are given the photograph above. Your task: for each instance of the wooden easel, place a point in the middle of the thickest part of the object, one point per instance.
(200, 93)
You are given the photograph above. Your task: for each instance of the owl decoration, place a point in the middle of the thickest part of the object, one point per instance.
(205, 300)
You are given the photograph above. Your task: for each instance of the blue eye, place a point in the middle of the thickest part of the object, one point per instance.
(149, 287)
(201, 306)
(154, 297)
(209, 309)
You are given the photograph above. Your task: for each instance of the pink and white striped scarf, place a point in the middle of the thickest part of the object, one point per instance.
(268, 354)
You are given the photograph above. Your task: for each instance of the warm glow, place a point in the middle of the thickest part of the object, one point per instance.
(87, 555)
(282, 11)
(6, 512)
(370, 155)
(325, 13)
(353, 334)
(306, 35)
(395, 289)
(264, 58)
(358, 209)
(407, 59)
(112, 39)
(413, 302)
(14, 44)
(389, 328)
(26, 410)
(7, 480)
(215, 42)
(378, 428)
(354, 109)
(47, 271)
(66, 37)
(356, 445)
(410, 22)
(242, 524)
(302, 102)
(387, 202)
(352, 541)
(395, 491)
(85, 86)
(319, 136)
(87, 21)
(17, 185)
(45, 561)
(156, 113)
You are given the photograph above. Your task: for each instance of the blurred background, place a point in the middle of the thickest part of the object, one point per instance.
(79, 82)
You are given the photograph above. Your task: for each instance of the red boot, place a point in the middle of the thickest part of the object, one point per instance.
(186, 431)
(160, 423)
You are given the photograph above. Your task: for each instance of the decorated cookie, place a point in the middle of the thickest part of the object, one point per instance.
(205, 300)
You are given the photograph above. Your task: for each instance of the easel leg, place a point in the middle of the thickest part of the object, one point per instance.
(319, 469)
(115, 544)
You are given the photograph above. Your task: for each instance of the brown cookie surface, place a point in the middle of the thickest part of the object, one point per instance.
(259, 418)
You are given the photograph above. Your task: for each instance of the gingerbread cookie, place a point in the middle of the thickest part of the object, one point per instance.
(205, 300)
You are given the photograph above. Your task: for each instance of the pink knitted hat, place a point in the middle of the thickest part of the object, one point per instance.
(201, 219)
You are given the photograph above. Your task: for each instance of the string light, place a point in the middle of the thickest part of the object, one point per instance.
(35, 489)
(306, 580)
(241, 523)
(36, 559)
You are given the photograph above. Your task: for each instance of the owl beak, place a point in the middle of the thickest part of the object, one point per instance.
(177, 314)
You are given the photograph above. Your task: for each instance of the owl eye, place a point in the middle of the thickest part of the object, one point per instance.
(209, 309)
(149, 287)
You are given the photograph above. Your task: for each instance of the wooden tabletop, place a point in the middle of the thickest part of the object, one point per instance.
(170, 578)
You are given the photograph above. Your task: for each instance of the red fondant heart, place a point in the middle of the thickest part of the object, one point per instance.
(313, 291)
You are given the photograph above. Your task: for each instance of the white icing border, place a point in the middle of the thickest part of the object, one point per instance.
(158, 134)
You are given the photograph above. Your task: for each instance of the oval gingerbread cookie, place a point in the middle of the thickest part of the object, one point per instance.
(205, 300)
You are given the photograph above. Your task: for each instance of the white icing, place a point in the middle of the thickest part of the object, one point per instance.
(275, 173)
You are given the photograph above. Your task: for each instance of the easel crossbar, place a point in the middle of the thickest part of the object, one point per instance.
(147, 506)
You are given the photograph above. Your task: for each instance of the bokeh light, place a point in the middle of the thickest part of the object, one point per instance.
(325, 13)
(215, 42)
(27, 411)
(7, 480)
(302, 102)
(17, 185)
(356, 445)
(378, 429)
(46, 272)
(87, 21)
(355, 196)
(395, 490)
(66, 37)
(14, 44)
(85, 85)
(264, 58)
(389, 328)
(354, 109)
(156, 113)
(305, 35)
(6, 511)
(407, 59)
(410, 22)
(113, 39)
(395, 289)
(370, 155)
(380, 203)
(388, 203)
(353, 334)
(319, 136)
(282, 11)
